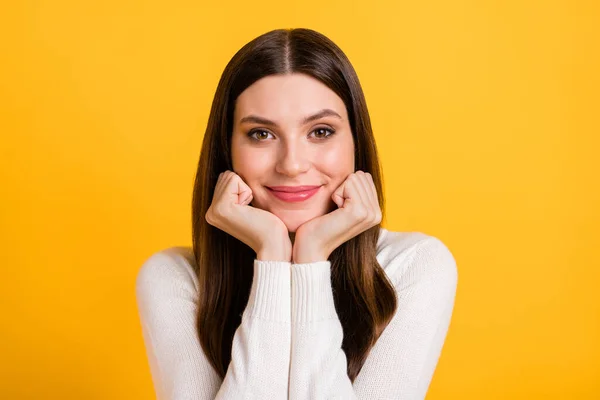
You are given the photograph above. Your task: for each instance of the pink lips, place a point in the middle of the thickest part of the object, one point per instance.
(293, 193)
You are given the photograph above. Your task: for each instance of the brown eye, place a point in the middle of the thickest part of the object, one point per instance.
(260, 133)
(320, 133)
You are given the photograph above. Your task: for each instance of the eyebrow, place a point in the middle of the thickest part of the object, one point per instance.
(326, 112)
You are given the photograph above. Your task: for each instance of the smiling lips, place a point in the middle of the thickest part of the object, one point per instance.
(293, 193)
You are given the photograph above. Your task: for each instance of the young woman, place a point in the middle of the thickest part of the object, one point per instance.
(292, 288)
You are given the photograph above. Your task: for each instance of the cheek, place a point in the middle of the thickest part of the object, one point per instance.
(246, 164)
(337, 162)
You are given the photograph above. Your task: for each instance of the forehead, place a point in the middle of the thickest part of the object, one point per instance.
(287, 98)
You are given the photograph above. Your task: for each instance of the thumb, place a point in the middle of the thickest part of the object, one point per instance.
(246, 200)
(236, 190)
(338, 195)
(242, 191)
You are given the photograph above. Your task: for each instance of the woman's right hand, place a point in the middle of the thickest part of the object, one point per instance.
(263, 231)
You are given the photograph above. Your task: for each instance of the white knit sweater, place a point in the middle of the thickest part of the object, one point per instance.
(288, 345)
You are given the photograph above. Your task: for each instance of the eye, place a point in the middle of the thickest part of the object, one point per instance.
(319, 132)
(260, 134)
(259, 131)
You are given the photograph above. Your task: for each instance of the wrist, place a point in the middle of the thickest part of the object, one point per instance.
(304, 255)
(273, 256)
(275, 252)
(305, 258)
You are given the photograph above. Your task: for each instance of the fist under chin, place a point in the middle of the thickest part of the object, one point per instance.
(293, 222)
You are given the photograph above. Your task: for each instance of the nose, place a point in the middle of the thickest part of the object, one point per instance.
(294, 159)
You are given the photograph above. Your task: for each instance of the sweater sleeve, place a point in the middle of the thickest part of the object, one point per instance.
(166, 293)
(401, 363)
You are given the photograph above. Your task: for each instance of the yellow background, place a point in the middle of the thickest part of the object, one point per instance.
(485, 114)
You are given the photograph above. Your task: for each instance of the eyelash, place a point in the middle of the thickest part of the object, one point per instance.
(253, 131)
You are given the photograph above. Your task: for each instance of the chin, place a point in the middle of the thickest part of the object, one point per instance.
(293, 220)
(293, 225)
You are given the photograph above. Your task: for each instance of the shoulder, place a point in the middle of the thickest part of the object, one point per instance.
(168, 272)
(410, 257)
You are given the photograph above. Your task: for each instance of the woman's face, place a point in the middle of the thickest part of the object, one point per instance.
(275, 144)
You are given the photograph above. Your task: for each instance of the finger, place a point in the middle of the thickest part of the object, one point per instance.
(226, 187)
(248, 199)
(365, 190)
(357, 181)
(368, 196)
(338, 195)
(367, 183)
(376, 205)
(219, 185)
(240, 189)
(377, 216)
(371, 191)
(346, 194)
(245, 197)
(354, 197)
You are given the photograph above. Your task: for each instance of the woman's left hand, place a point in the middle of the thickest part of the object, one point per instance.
(358, 211)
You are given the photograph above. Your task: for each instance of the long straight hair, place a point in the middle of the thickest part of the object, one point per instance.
(364, 298)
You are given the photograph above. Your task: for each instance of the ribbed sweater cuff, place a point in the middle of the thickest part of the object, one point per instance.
(312, 296)
(270, 292)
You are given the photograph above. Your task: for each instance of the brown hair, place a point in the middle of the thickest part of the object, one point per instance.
(364, 298)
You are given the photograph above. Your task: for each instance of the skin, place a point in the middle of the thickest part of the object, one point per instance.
(291, 153)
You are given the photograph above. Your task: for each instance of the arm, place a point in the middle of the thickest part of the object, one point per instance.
(401, 363)
(318, 363)
(166, 292)
(260, 355)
